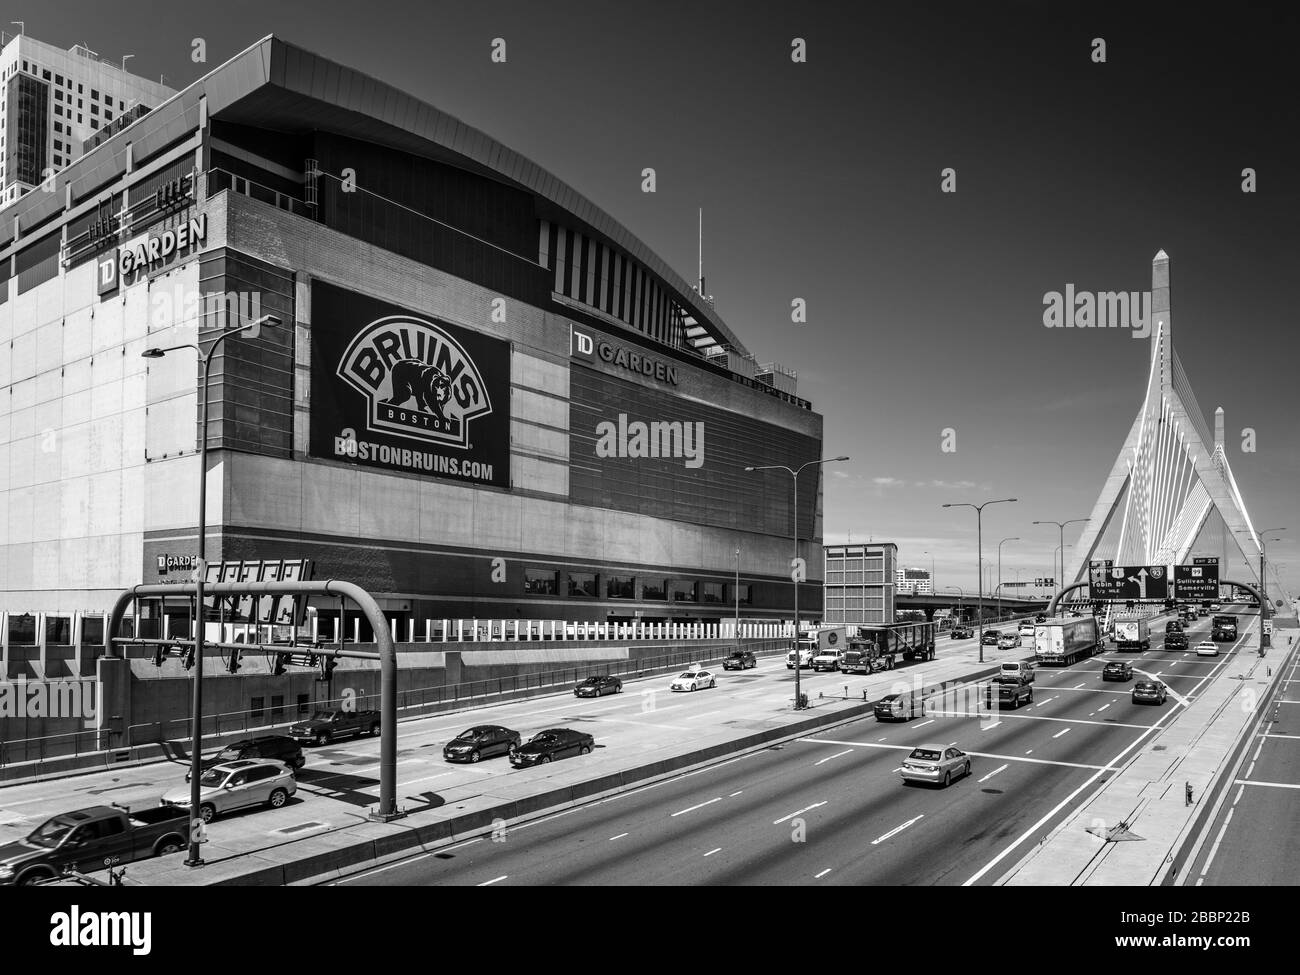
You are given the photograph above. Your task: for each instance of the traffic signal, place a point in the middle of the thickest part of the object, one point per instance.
(232, 664)
(277, 668)
(159, 654)
(1129, 604)
(327, 666)
(189, 658)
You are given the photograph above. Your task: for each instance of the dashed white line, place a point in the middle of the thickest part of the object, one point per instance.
(1104, 707)
(1063, 731)
(713, 851)
(822, 874)
(618, 837)
(489, 883)
(836, 755)
(994, 772)
(736, 793)
(799, 812)
(921, 725)
(700, 805)
(990, 727)
(897, 829)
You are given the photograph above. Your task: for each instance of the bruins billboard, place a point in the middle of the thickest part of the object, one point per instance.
(396, 389)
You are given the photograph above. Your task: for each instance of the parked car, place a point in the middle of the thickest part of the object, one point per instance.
(1207, 648)
(482, 741)
(899, 707)
(739, 660)
(1007, 641)
(1149, 692)
(694, 680)
(91, 839)
(598, 686)
(282, 748)
(237, 785)
(547, 746)
(1175, 641)
(991, 638)
(961, 633)
(324, 727)
(937, 764)
(1118, 670)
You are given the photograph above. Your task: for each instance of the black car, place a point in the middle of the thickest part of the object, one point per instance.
(961, 633)
(739, 660)
(483, 741)
(598, 687)
(899, 707)
(1175, 641)
(1118, 670)
(280, 748)
(1042, 618)
(554, 743)
(1174, 626)
(990, 638)
(1149, 691)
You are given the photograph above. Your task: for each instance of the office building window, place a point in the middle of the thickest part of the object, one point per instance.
(304, 705)
(257, 706)
(541, 582)
(620, 587)
(684, 591)
(277, 708)
(654, 589)
(711, 592)
(583, 584)
(746, 593)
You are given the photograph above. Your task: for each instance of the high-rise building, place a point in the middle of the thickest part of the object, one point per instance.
(55, 105)
(859, 583)
(913, 582)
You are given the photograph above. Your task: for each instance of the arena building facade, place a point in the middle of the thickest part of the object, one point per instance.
(486, 397)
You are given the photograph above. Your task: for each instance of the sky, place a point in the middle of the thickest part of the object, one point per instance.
(822, 181)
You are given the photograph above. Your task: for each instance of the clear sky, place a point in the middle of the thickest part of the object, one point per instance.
(822, 181)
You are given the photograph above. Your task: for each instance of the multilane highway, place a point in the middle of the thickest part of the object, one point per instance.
(832, 808)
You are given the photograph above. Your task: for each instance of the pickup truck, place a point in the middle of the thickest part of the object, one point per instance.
(826, 660)
(1001, 691)
(92, 839)
(324, 727)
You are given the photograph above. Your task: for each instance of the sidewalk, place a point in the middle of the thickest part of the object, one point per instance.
(1149, 795)
(495, 798)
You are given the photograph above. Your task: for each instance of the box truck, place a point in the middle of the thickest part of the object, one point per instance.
(1065, 641)
(1132, 635)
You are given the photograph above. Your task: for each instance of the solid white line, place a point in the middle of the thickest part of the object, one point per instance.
(713, 851)
(993, 773)
(897, 829)
(1064, 731)
(800, 812)
(489, 883)
(1279, 736)
(1271, 785)
(822, 874)
(701, 805)
(846, 751)
(618, 837)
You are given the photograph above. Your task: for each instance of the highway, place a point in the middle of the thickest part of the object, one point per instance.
(832, 809)
(1252, 840)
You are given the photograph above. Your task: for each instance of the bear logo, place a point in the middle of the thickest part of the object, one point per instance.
(428, 384)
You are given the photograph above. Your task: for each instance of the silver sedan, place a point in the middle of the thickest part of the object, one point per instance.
(937, 764)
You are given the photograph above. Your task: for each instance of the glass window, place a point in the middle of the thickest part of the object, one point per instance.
(620, 587)
(746, 594)
(258, 707)
(654, 589)
(711, 592)
(541, 582)
(684, 591)
(304, 705)
(277, 707)
(583, 584)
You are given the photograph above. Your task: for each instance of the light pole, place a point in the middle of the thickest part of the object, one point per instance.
(737, 595)
(1013, 538)
(1060, 579)
(1264, 608)
(961, 594)
(979, 541)
(794, 477)
(195, 858)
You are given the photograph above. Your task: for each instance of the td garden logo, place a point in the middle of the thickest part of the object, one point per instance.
(418, 380)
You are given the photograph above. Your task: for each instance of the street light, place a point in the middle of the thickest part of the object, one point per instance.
(979, 541)
(1013, 538)
(737, 595)
(195, 858)
(794, 477)
(1060, 580)
(1264, 608)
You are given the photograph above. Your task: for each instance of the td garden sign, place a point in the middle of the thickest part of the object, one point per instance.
(140, 256)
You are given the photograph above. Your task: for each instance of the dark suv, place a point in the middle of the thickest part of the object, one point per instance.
(279, 748)
(739, 660)
(990, 638)
(1175, 641)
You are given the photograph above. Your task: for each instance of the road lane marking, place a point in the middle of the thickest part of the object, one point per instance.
(1064, 731)
(1077, 686)
(995, 755)
(1271, 785)
(1104, 707)
(736, 793)
(822, 874)
(716, 849)
(618, 837)
(700, 805)
(989, 727)
(1279, 736)
(489, 883)
(846, 751)
(897, 829)
(800, 812)
(993, 773)
(1049, 700)
(1005, 715)
(921, 725)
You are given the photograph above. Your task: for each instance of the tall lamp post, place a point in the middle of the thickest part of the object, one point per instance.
(1264, 608)
(195, 858)
(979, 565)
(794, 477)
(1014, 538)
(1060, 579)
(737, 595)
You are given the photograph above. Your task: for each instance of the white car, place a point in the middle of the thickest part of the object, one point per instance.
(1026, 630)
(694, 680)
(1008, 640)
(234, 785)
(1207, 648)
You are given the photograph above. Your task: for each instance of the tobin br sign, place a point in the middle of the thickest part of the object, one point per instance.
(400, 390)
(1109, 581)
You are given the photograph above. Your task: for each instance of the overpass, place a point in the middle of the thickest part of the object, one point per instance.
(967, 604)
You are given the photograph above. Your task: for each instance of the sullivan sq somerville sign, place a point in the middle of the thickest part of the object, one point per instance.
(397, 389)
